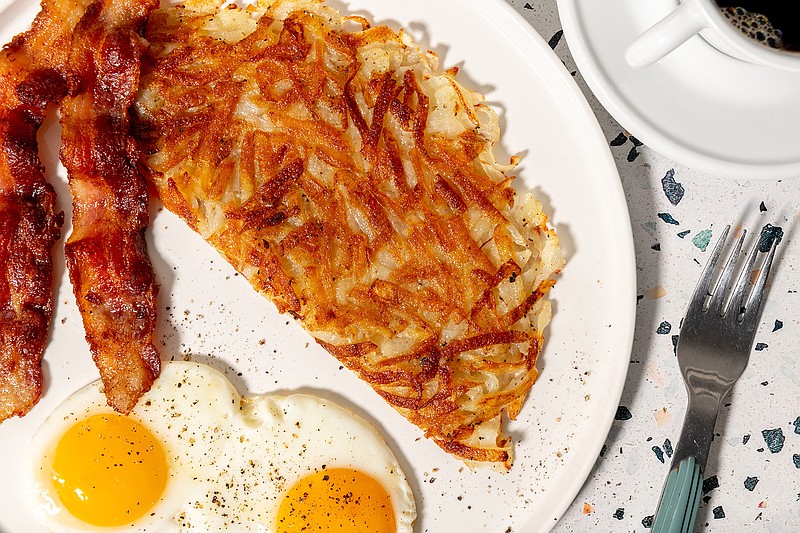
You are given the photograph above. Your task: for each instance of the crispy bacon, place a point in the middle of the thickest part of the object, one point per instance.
(106, 253)
(30, 78)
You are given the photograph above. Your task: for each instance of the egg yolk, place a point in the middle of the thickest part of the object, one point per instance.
(109, 470)
(337, 499)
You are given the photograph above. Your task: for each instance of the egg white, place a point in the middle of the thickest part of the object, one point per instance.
(230, 458)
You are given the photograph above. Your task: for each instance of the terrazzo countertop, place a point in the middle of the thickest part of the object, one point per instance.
(752, 481)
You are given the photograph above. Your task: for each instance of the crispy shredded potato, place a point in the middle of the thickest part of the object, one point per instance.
(353, 183)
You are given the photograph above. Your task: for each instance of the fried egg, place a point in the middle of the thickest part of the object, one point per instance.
(194, 455)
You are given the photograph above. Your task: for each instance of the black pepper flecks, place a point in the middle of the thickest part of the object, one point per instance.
(623, 413)
(666, 217)
(664, 328)
(774, 439)
(750, 483)
(769, 234)
(672, 188)
(710, 484)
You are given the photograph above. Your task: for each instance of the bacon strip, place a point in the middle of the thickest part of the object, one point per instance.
(30, 79)
(106, 254)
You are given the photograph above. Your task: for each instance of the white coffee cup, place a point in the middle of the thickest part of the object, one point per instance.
(704, 17)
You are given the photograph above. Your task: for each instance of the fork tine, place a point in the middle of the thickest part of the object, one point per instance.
(737, 295)
(719, 292)
(701, 290)
(753, 307)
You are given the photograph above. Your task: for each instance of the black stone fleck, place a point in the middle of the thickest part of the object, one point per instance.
(623, 413)
(718, 512)
(796, 459)
(684, 233)
(635, 141)
(710, 484)
(633, 154)
(778, 325)
(774, 439)
(619, 514)
(619, 140)
(762, 208)
(769, 233)
(647, 521)
(528, 6)
(666, 217)
(659, 453)
(796, 425)
(745, 439)
(675, 339)
(668, 447)
(664, 328)
(750, 483)
(555, 39)
(672, 189)
(656, 247)
(760, 346)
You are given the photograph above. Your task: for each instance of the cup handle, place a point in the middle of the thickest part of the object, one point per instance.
(666, 35)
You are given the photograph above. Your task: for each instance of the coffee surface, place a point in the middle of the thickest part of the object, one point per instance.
(774, 23)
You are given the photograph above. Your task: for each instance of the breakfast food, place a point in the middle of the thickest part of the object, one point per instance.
(106, 254)
(195, 456)
(86, 57)
(354, 184)
(30, 79)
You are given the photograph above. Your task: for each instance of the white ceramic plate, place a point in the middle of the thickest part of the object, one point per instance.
(697, 105)
(211, 313)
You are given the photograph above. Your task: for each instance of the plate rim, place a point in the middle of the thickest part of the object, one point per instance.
(635, 120)
(610, 169)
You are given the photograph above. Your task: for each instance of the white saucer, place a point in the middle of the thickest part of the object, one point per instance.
(698, 106)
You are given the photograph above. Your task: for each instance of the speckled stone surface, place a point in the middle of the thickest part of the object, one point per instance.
(752, 482)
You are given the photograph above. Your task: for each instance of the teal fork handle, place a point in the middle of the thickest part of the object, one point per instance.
(677, 509)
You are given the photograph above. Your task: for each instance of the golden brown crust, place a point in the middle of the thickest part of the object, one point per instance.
(353, 184)
(106, 253)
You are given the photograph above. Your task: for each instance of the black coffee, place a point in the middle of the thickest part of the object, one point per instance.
(778, 25)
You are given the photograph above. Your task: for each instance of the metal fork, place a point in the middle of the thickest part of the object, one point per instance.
(713, 349)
